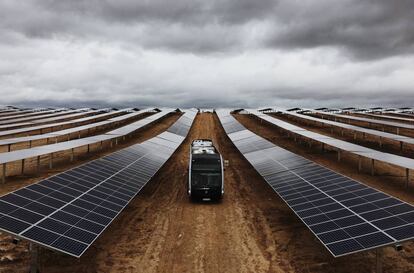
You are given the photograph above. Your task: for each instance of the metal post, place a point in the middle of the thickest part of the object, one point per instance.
(72, 155)
(401, 146)
(378, 264)
(407, 176)
(380, 142)
(30, 144)
(34, 258)
(372, 167)
(88, 148)
(8, 147)
(38, 163)
(398, 131)
(339, 156)
(323, 147)
(359, 163)
(101, 145)
(51, 161)
(22, 166)
(355, 135)
(3, 177)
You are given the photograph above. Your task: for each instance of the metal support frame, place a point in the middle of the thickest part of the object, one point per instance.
(51, 161)
(3, 177)
(378, 260)
(407, 177)
(38, 163)
(34, 258)
(372, 166)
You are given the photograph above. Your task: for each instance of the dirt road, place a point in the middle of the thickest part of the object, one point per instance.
(250, 230)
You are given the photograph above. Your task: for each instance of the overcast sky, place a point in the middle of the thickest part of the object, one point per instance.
(236, 53)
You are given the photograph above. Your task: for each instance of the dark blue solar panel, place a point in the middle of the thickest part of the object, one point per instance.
(67, 212)
(344, 214)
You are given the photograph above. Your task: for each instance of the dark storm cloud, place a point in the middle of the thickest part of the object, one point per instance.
(240, 53)
(365, 29)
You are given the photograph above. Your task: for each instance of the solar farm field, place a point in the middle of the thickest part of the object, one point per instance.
(114, 198)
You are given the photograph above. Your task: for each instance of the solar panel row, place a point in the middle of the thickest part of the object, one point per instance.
(371, 121)
(79, 129)
(69, 211)
(372, 132)
(396, 160)
(60, 124)
(76, 143)
(27, 113)
(345, 215)
(43, 117)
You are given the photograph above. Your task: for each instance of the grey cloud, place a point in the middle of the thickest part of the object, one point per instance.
(363, 29)
(239, 53)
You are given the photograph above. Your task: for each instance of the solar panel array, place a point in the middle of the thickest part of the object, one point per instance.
(78, 129)
(372, 121)
(54, 117)
(345, 215)
(59, 124)
(67, 212)
(372, 132)
(77, 143)
(393, 159)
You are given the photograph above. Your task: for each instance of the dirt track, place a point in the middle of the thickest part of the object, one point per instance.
(251, 230)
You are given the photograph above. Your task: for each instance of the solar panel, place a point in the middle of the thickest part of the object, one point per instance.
(345, 215)
(69, 211)
(373, 121)
(393, 159)
(376, 133)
